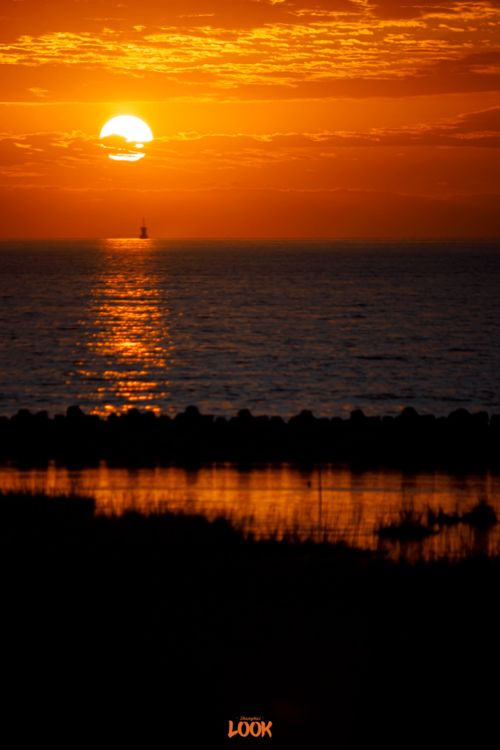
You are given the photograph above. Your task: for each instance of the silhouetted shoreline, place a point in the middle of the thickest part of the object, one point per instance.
(168, 626)
(462, 440)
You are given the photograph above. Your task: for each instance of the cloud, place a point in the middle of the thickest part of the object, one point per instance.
(481, 127)
(244, 48)
(14, 152)
(48, 151)
(324, 157)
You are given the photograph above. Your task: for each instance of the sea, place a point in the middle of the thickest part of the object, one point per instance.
(274, 326)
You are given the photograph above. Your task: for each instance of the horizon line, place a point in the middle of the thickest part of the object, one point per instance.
(267, 238)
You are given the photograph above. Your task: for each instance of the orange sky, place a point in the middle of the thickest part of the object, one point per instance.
(271, 117)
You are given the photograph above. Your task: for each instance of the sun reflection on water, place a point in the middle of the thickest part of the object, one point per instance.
(128, 338)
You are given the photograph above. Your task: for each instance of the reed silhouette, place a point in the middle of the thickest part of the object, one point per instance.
(413, 526)
(409, 527)
(160, 629)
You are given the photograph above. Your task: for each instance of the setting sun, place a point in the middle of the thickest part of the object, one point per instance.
(304, 115)
(125, 137)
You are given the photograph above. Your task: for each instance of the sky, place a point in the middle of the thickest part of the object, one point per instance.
(271, 118)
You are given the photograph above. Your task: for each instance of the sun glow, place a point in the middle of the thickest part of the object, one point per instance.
(124, 137)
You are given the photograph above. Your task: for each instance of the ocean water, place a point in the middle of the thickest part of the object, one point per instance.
(273, 326)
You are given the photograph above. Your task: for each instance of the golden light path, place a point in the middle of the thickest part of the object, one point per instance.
(131, 134)
(128, 345)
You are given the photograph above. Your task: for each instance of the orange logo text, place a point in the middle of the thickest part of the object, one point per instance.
(250, 729)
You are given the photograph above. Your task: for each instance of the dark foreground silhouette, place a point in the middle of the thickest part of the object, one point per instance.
(462, 440)
(157, 631)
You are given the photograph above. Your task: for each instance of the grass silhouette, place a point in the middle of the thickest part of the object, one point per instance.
(160, 629)
(411, 526)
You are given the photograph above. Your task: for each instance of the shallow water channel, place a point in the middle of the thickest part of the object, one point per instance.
(333, 503)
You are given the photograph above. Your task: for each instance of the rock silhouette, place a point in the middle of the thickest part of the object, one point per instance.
(462, 440)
